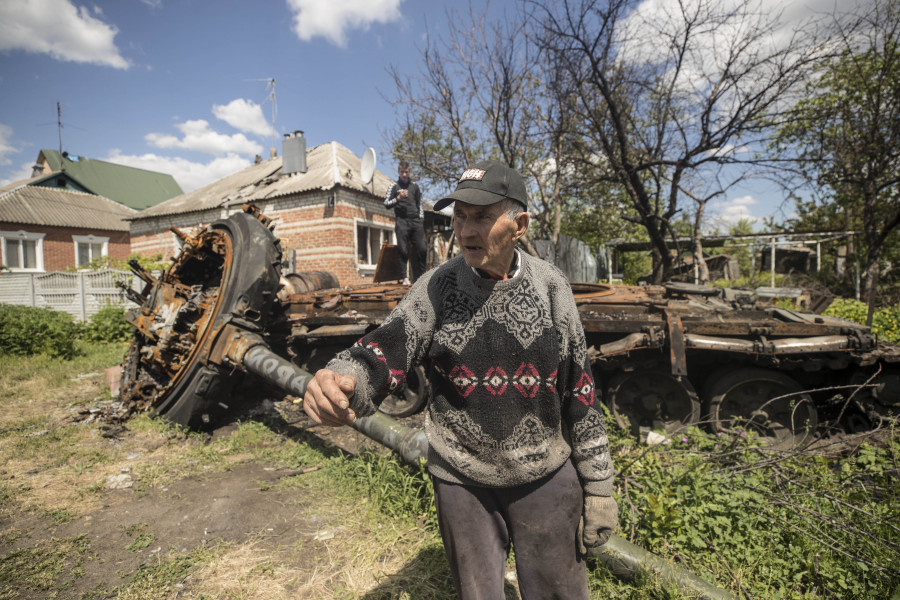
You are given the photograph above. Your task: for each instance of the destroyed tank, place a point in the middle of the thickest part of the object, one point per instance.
(666, 357)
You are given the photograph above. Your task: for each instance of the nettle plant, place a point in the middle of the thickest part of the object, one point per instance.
(771, 524)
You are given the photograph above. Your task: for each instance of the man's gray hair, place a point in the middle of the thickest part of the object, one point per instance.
(512, 208)
(508, 207)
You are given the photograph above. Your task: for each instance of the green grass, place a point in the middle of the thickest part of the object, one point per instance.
(758, 523)
(159, 579)
(40, 569)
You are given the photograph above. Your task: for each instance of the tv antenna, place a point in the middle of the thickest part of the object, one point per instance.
(59, 125)
(270, 88)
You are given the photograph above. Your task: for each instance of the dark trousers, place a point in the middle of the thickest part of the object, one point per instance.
(411, 236)
(540, 519)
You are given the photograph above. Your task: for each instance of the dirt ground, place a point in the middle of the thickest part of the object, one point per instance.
(270, 528)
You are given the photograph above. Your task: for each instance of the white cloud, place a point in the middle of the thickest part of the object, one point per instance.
(199, 137)
(6, 147)
(189, 175)
(722, 215)
(330, 19)
(23, 172)
(60, 29)
(243, 115)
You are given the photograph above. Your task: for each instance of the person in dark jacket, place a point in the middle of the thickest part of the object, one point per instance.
(518, 448)
(405, 198)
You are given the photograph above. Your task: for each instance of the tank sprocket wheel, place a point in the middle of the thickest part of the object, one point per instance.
(652, 399)
(768, 402)
(237, 270)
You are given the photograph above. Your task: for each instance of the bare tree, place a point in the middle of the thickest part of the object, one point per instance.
(484, 92)
(676, 99)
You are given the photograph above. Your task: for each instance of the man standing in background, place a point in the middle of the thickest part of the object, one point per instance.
(405, 198)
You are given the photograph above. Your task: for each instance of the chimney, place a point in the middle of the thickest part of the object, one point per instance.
(293, 153)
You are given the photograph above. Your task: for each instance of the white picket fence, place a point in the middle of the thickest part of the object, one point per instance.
(80, 294)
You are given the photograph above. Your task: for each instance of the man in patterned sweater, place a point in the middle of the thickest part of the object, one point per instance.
(518, 450)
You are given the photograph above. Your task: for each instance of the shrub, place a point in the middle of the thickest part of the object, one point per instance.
(25, 330)
(108, 325)
(885, 321)
(154, 262)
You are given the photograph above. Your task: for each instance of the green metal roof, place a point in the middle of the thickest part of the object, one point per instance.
(135, 188)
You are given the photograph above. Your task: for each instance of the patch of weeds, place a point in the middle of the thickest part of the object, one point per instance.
(39, 568)
(98, 592)
(60, 516)
(159, 580)
(144, 424)
(141, 538)
(89, 458)
(6, 493)
(397, 489)
(29, 426)
(264, 568)
(58, 445)
(141, 541)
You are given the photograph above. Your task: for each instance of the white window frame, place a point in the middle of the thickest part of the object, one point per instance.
(369, 268)
(21, 235)
(90, 240)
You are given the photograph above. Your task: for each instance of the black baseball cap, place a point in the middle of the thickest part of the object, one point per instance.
(486, 183)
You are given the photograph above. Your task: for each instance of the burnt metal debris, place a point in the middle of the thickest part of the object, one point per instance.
(666, 357)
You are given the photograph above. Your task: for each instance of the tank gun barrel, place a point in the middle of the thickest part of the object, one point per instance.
(251, 352)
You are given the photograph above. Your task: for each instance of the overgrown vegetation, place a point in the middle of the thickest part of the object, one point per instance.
(767, 524)
(760, 523)
(153, 262)
(26, 330)
(108, 325)
(885, 322)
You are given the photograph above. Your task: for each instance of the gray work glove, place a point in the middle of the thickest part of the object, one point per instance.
(599, 519)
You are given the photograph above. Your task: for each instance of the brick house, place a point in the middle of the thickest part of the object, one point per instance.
(326, 216)
(51, 223)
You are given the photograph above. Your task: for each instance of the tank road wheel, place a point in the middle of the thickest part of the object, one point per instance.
(762, 400)
(653, 399)
(409, 399)
(230, 272)
(880, 399)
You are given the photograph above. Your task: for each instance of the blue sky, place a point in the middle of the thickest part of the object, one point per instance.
(182, 86)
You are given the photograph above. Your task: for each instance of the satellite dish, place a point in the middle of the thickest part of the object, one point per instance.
(368, 165)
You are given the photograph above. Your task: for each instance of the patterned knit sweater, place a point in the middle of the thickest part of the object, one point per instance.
(512, 390)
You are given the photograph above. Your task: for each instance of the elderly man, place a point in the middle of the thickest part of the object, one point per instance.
(518, 450)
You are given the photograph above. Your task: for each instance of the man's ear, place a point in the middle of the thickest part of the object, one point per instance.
(522, 220)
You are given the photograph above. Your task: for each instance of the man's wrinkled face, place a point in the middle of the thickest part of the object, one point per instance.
(486, 236)
(404, 174)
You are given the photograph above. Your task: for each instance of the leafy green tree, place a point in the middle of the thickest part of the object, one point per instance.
(845, 136)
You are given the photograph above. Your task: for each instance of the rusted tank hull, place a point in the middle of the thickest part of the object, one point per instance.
(666, 356)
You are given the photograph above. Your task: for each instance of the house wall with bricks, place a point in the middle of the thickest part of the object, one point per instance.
(319, 231)
(58, 243)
